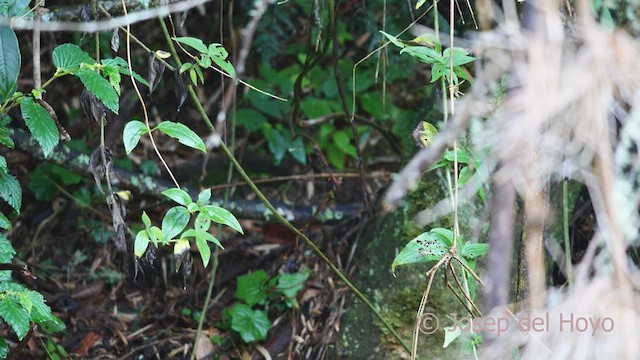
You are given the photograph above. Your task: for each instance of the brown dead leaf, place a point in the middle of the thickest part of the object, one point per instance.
(87, 343)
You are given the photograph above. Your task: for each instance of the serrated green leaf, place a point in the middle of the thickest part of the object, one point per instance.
(41, 125)
(252, 325)
(178, 195)
(4, 222)
(222, 216)
(141, 243)
(10, 190)
(70, 56)
(112, 73)
(6, 250)
(3, 164)
(174, 221)
(4, 348)
(204, 249)
(183, 134)
(132, 133)
(192, 42)
(250, 287)
(5, 135)
(15, 315)
(100, 87)
(9, 62)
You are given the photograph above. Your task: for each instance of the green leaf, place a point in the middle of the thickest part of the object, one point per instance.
(424, 54)
(4, 222)
(472, 251)
(70, 56)
(202, 222)
(460, 56)
(15, 315)
(225, 65)
(193, 42)
(132, 133)
(10, 190)
(6, 249)
(5, 135)
(290, 284)
(463, 157)
(393, 39)
(183, 134)
(146, 220)
(428, 246)
(100, 87)
(40, 124)
(222, 216)
(141, 243)
(251, 287)
(204, 249)
(174, 221)
(4, 348)
(342, 141)
(204, 196)
(123, 68)
(450, 334)
(9, 62)
(178, 195)
(210, 238)
(437, 71)
(252, 325)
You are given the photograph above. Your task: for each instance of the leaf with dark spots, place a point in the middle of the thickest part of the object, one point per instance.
(156, 69)
(101, 161)
(115, 40)
(181, 89)
(93, 108)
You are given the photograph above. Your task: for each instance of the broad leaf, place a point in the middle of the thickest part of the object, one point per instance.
(132, 133)
(204, 249)
(222, 216)
(70, 56)
(428, 246)
(15, 315)
(100, 87)
(225, 65)
(183, 134)
(252, 325)
(40, 124)
(393, 40)
(9, 62)
(10, 190)
(250, 287)
(204, 196)
(193, 42)
(202, 222)
(141, 243)
(290, 284)
(210, 238)
(174, 221)
(178, 195)
(472, 251)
